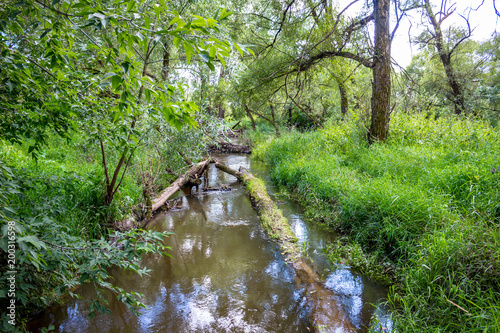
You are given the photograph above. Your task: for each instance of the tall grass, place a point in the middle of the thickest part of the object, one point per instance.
(427, 199)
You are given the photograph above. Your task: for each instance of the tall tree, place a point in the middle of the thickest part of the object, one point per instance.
(381, 90)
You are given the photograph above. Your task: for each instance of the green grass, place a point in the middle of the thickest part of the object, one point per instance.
(425, 199)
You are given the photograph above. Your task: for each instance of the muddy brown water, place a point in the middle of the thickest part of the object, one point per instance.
(224, 275)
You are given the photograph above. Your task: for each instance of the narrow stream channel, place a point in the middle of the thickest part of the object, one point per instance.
(224, 275)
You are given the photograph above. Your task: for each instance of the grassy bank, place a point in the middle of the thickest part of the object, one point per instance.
(427, 201)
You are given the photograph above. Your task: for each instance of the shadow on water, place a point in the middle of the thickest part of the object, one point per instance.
(224, 274)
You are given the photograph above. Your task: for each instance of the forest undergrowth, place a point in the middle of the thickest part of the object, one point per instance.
(422, 210)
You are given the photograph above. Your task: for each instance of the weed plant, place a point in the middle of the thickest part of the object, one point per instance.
(427, 199)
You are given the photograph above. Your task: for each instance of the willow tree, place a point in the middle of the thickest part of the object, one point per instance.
(379, 62)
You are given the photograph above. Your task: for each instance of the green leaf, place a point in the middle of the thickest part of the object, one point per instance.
(174, 20)
(177, 41)
(131, 5)
(221, 59)
(250, 51)
(189, 50)
(10, 84)
(45, 32)
(213, 51)
(224, 13)
(116, 116)
(163, 4)
(110, 74)
(125, 65)
(211, 22)
(238, 48)
(116, 82)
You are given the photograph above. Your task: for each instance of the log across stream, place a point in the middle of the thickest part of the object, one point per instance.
(227, 275)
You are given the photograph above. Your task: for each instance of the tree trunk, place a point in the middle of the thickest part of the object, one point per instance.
(249, 114)
(344, 102)
(221, 111)
(228, 148)
(278, 134)
(381, 87)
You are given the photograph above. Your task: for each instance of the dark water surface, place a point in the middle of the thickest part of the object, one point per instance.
(224, 275)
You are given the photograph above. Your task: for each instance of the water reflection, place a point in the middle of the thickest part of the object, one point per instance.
(349, 288)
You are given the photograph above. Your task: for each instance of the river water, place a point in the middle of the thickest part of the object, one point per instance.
(224, 274)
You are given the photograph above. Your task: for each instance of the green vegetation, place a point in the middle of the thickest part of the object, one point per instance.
(427, 200)
(103, 103)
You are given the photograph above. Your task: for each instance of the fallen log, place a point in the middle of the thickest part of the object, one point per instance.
(327, 314)
(190, 178)
(273, 221)
(228, 147)
(193, 173)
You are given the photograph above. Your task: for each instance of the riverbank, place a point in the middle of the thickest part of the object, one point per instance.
(422, 207)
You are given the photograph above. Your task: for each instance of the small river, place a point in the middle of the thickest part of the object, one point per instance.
(224, 274)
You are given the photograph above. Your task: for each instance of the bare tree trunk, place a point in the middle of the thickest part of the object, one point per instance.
(221, 111)
(327, 315)
(194, 172)
(381, 87)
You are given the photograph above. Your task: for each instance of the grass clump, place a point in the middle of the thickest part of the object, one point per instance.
(426, 200)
